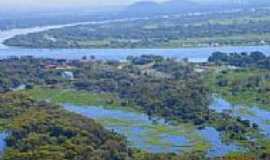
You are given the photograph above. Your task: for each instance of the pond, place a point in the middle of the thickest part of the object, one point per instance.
(157, 137)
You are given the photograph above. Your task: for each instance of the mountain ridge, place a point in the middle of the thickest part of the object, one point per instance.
(150, 8)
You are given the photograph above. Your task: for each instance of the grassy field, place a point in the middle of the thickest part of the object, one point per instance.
(82, 98)
(74, 97)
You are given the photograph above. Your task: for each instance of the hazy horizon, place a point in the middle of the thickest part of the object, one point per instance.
(30, 4)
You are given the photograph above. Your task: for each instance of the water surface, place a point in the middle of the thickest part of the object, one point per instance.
(193, 54)
(218, 148)
(252, 113)
(3, 144)
(155, 137)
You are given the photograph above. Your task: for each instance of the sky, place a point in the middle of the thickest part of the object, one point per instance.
(37, 4)
(48, 3)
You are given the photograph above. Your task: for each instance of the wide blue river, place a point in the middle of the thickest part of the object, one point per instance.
(193, 54)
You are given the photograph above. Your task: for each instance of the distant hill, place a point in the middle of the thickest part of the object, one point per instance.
(143, 8)
(149, 8)
(152, 8)
(236, 3)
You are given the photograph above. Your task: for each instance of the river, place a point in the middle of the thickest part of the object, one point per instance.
(193, 54)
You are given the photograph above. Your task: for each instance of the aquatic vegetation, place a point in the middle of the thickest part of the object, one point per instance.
(39, 130)
(198, 143)
(141, 132)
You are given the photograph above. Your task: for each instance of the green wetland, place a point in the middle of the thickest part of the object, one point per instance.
(100, 99)
(137, 127)
(146, 106)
